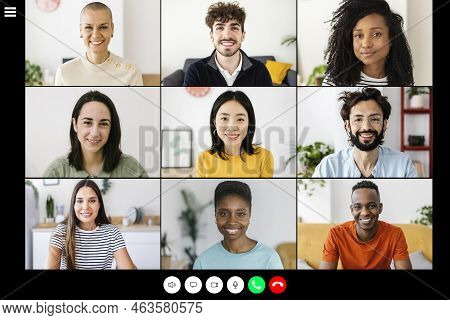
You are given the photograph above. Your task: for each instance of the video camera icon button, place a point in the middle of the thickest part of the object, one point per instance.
(172, 284)
(193, 285)
(214, 284)
(235, 285)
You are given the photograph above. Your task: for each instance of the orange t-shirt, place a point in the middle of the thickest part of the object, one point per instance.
(342, 242)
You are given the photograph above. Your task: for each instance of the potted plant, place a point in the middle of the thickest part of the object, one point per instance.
(33, 74)
(425, 216)
(416, 96)
(317, 75)
(190, 218)
(166, 257)
(50, 207)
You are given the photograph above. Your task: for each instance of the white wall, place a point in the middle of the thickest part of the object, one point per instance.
(398, 207)
(123, 194)
(314, 30)
(185, 34)
(49, 37)
(142, 34)
(48, 114)
(273, 219)
(275, 120)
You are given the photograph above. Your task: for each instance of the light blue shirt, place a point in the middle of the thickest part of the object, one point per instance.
(390, 164)
(217, 257)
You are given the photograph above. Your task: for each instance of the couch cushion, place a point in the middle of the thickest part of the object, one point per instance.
(277, 70)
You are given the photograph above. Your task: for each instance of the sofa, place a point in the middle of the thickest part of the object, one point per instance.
(311, 237)
(176, 78)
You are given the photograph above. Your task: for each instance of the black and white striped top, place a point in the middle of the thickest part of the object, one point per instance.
(93, 249)
(365, 81)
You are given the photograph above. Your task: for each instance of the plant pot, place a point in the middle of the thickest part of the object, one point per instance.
(165, 262)
(49, 220)
(417, 101)
(59, 218)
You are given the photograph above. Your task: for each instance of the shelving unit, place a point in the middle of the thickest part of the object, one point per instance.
(406, 113)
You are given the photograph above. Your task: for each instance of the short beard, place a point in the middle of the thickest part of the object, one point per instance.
(364, 146)
(227, 53)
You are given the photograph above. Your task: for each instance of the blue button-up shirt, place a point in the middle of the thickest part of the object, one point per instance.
(390, 164)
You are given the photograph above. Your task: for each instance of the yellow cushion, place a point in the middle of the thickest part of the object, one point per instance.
(277, 70)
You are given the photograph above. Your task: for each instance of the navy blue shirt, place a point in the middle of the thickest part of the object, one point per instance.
(206, 73)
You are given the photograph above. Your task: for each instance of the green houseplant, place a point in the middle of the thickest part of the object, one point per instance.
(425, 216)
(190, 218)
(317, 75)
(50, 208)
(33, 74)
(416, 96)
(165, 252)
(289, 40)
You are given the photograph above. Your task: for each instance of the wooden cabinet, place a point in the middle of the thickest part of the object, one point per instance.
(142, 245)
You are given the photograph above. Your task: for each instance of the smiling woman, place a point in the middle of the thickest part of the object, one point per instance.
(95, 143)
(86, 239)
(99, 66)
(233, 204)
(233, 154)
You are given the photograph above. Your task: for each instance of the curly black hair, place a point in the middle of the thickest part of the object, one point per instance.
(225, 12)
(351, 98)
(344, 68)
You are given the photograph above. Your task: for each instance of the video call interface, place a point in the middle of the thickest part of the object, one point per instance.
(227, 150)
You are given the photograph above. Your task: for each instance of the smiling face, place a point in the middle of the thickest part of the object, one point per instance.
(366, 208)
(227, 37)
(371, 41)
(233, 217)
(232, 124)
(93, 126)
(366, 125)
(86, 207)
(96, 29)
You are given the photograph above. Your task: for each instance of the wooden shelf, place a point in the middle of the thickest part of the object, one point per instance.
(418, 111)
(416, 148)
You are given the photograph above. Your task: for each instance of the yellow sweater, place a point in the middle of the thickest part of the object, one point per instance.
(257, 165)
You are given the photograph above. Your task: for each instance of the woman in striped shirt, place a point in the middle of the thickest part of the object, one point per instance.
(367, 47)
(86, 239)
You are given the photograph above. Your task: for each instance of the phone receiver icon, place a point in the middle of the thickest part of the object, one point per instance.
(278, 283)
(256, 286)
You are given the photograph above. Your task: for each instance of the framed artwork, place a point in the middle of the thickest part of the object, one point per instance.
(177, 148)
(51, 182)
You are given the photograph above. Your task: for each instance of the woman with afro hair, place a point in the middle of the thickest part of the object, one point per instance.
(367, 46)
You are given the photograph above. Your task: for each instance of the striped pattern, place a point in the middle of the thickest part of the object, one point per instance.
(364, 82)
(94, 250)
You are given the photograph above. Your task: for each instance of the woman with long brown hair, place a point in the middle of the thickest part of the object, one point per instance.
(87, 239)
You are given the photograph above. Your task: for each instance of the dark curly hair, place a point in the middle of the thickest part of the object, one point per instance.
(225, 12)
(366, 185)
(217, 143)
(344, 68)
(233, 188)
(351, 98)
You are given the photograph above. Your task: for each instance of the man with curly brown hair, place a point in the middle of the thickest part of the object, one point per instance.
(228, 65)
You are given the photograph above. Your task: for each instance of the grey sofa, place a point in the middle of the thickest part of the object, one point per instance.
(175, 79)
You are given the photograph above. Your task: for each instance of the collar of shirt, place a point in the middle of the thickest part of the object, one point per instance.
(354, 167)
(229, 78)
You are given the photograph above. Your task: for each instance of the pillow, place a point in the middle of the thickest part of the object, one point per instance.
(418, 261)
(277, 70)
(303, 265)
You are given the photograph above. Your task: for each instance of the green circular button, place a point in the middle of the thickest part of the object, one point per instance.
(256, 285)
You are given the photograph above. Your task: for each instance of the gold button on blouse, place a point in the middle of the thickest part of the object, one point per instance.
(128, 66)
(118, 65)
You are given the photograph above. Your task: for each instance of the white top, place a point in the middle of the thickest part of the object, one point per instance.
(390, 164)
(115, 71)
(363, 82)
(94, 249)
(229, 78)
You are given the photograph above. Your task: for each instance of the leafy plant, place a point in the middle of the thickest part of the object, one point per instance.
(50, 206)
(317, 75)
(33, 74)
(289, 40)
(165, 249)
(35, 190)
(190, 218)
(425, 216)
(415, 91)
(106, 185)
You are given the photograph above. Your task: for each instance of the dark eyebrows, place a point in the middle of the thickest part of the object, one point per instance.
(94, 197)
(101, 120)
(373, 114)
(373, 28)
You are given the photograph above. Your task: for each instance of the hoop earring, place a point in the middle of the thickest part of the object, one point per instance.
(215, 132)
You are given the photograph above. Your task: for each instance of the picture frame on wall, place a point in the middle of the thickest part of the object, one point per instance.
(177, 148)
